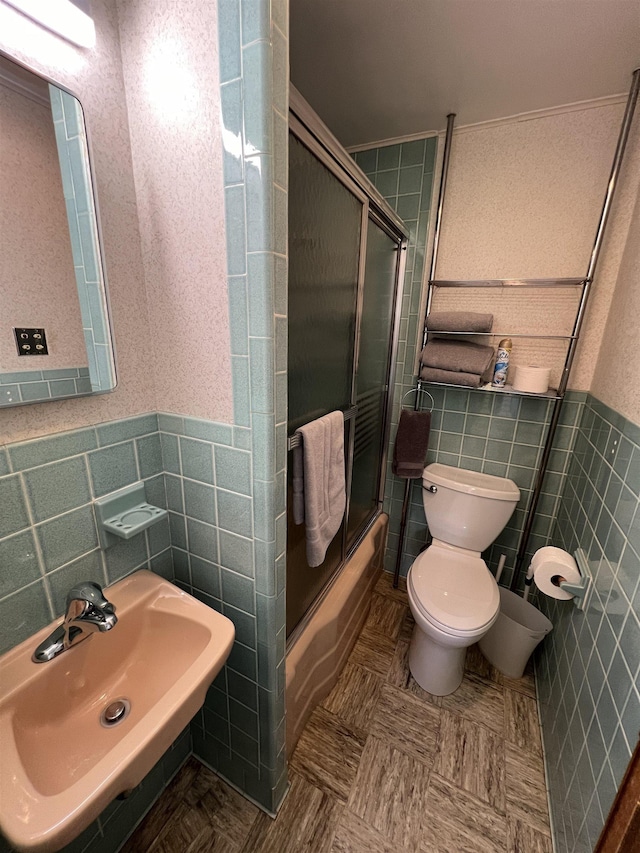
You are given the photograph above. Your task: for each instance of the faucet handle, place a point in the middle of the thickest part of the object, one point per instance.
(86, 600)
(88, 612)
(90, 592)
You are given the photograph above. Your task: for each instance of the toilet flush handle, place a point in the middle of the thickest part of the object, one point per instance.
(433, 489)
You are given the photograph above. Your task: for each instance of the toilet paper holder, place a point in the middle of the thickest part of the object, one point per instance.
(580, 591)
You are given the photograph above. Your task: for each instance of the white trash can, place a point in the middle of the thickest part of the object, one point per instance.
(510, 641)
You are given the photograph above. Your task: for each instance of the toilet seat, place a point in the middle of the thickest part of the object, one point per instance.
(453, 590)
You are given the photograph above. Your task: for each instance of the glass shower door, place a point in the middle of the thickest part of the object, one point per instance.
(325, 221)
(376, 328)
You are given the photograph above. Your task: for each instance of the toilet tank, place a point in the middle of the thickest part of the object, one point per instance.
(466, 509)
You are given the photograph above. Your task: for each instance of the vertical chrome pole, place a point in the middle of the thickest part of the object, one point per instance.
(432, 270)
(593, 262)
(615, 170)
(438, 223)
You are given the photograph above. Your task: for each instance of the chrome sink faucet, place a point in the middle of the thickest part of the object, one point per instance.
(88, 612)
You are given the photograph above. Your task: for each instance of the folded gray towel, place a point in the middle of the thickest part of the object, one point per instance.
(412, 443)
(459, 321)
(464, 356)
(452, 377)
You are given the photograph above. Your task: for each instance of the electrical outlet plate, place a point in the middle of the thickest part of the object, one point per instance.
(31, 341)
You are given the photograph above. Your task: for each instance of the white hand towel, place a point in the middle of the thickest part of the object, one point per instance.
(319, 492)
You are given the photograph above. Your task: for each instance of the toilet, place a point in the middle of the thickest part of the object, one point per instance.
(453, 596)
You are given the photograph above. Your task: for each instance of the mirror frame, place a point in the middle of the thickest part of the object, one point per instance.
(99, 257)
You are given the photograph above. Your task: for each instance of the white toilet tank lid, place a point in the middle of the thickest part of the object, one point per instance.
(455, 589)
(471, 482)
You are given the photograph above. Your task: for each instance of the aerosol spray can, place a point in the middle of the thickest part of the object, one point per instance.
(502, 363)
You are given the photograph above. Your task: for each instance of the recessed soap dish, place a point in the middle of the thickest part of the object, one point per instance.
(125, 513)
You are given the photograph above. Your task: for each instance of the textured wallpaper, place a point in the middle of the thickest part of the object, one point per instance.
(617, 375)
(170, 61)
(523, 200)
(175, 205)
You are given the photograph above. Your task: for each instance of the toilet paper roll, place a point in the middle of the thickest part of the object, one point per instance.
(548, 573)
(550, 552)
(530, 378)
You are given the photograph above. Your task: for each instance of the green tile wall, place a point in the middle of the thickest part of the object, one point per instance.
(48, 535)
(588, 670)
(501, 435)
(48, 542)
(204, 473)
(241, 731)
(219, 559)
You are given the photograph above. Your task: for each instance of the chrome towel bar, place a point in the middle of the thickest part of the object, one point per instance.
(295, 440)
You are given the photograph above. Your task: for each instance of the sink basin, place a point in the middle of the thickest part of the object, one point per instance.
(60, 765)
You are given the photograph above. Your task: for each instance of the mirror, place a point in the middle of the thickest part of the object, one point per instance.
(55, 339)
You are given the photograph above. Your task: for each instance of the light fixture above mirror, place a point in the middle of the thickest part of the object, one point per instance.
(68, 19)
(55, 338)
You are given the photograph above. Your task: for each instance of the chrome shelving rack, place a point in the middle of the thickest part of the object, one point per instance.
(546, 283)
(557, 395)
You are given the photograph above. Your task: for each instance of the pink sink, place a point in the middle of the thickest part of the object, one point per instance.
(60, 766)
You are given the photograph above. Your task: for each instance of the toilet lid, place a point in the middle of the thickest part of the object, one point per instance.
(454, 589)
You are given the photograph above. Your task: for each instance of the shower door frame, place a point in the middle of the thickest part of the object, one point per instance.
(370, 213)
(311, 132)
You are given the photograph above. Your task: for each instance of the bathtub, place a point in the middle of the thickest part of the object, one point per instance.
(317, 657)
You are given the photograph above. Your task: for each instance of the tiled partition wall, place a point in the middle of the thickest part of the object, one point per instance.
(220, 556)
(588, 672)
(241, 733)
(500, 435)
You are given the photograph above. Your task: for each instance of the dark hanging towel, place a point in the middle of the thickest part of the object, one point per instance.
(412, 443)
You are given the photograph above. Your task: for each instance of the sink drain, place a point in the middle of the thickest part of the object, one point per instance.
(115, 713)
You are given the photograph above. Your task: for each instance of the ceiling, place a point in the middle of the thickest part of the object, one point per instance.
(379, 69)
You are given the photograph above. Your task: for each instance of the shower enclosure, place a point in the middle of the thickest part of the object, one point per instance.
(346, 259)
